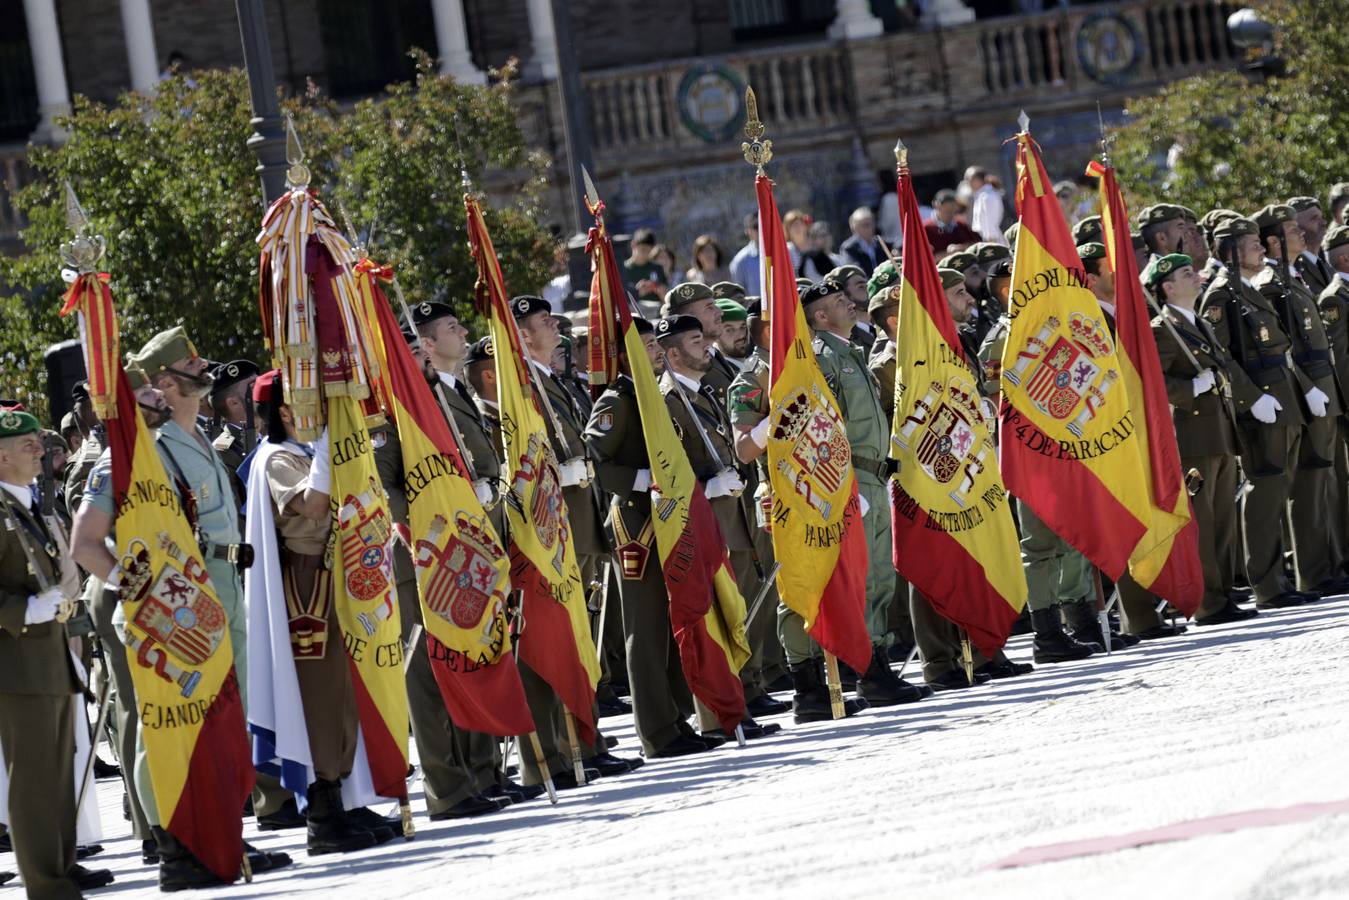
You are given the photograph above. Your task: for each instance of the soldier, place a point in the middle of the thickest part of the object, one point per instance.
(566, 426)
(704, 427)
(77, 471)
(696, 300)
(460, 769)
(1252, 329)
(234, 431)
(989, 310)
(661, 701)
(830, 314)
(854, 283)
(729, 290)
(1334, 305)
(998, 284)
(1311, 267)
(481, 374)
(1316, 552)
(733, 340)
(1087, 230)
(1194, 244)
(1162, 228)
(1205, 388)
(38, 680)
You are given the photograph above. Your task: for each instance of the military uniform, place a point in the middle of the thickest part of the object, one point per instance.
(38, 687)
(661, 701)
(80, 465)
(1334, 306)
(1251, 329)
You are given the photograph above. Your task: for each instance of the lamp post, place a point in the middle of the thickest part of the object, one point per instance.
(575, 118)
(268, 140)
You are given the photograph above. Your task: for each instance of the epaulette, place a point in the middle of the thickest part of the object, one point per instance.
(224, 440)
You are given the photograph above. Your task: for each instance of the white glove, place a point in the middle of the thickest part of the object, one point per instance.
(862, 501)
(42, 607)
(641, 481)
(759, 433)
(723, 484)
(1203, 382)
(320, 467)
(572, 472)
(1266, 409)
(114, 579)
(483, 488)
(1317, 401)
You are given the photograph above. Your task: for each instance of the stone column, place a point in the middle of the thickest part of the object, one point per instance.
(944, 13)
(49, 68)
(140, 45)
(854, 21)
(452, 39)
(543, 63)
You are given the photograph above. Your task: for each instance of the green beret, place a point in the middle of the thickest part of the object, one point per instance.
(1158, 214)
(1336, 236)
(1091, 250)
(1272, 216)
(730, 310)
(15, 422)
(883, 299)
(987, 253)
(1163, 267)
(727, 289)
(1237, 226)
(841, 274)
(962, 261)
(950, 278)
(1302, 204)
(163, 350)
(681, 295)
(886, 274)
(1088, 230)
(1011, 232)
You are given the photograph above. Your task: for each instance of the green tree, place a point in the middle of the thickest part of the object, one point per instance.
(1240, 140)
(167, 181)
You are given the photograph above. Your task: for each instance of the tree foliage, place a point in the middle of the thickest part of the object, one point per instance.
(1240, 139)
(167, 180)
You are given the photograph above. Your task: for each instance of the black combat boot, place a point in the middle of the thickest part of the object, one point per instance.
(1085, 626)
(1051, 644)
(880, 686)
(810, 700)
(329, 829)
(179, 870)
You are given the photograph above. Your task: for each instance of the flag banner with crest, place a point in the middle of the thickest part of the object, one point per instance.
(818, 535)
(1069, 445)
(188, 704)
(707, 612)
(953, 532)
(555, 642)
(1166, 560)
(463, 573)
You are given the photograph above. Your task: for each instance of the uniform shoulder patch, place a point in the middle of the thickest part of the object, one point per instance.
(1214, 312)
(223, 441)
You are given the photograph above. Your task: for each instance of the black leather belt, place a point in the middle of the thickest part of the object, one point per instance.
(1311, 356)
(238, 555)
(881, 468)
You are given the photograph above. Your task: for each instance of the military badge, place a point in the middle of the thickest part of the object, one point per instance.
(1068, 381)
(10, 421)
(604, 421)
(1264, 334)
(1214, 313)
(1332, 314)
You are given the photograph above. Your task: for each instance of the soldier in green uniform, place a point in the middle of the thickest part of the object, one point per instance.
(1334, 304)
(733, 339)
(38, 681)
(704, 428)
(1316, 550)
(1253, 331)
(830, 314)
(661, 702)
(1163, 228)
(1311, 266)
(1087, 230)
(77, 470)
(854, 284)
(1205, 388)
(697, 300)
(539, 337)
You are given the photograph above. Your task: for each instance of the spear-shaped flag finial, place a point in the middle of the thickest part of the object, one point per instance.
(1024, 121)
(592, 195)
(298, 173)
(84, 250)
(901, 154)
(757, 150)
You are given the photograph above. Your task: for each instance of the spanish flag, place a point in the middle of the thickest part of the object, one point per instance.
(463, 573)
(1166, 560)
(953, 531)
(817, 519)
(556, 641)
(694, 559)
(1069, 445)
(177, 636)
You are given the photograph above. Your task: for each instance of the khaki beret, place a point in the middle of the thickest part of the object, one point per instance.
(962, 261)
(1159, 213)
(1237, 226)
(1302, 204)
(1336, 236)
(950, 278)
(987, 253)
(681, 295)
(841, 274)
(724, 289)
(1272, 216)
(1088, 230)
(162, 351)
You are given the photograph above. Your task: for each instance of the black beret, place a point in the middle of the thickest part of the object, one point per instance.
(80, 392)
(818, 291)
(480, 351)
(429, 311)
(527, 305)
(671, 326)
(231, 373)
(754, 306)
(1001, 268)
(643, 326)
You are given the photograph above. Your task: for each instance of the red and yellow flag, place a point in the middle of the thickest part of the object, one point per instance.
(694, 559)
(953, 532)
(818, 535)
(177, 635)
(463, 573)
(1166, 560)
(1069, 444)
(556, 642)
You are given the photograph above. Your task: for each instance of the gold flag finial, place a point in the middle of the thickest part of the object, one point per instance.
(757, 150)
(901, 154)
(82, 252)
(297, 176)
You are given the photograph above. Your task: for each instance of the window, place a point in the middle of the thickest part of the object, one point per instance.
(366, 43)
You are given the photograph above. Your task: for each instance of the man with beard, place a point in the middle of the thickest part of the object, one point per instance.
(697, 300)
(733, 341)
(853, 283)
